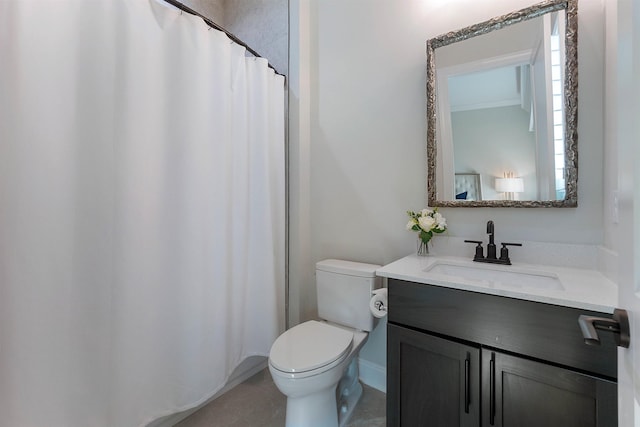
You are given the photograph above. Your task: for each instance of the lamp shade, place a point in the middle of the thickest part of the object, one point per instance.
(509, 185)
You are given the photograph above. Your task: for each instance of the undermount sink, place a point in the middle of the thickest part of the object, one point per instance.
(496, 276)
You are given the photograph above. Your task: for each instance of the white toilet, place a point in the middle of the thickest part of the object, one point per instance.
(314, 363)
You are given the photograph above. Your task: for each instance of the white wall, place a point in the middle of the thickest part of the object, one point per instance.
(300, 266)
(212, 9)
(361, 163)
(263, 25)
(613, 65)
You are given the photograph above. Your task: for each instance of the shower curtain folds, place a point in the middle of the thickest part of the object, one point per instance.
(141, 211)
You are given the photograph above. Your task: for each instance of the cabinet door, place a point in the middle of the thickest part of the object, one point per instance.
(522, 393)
(431, 381)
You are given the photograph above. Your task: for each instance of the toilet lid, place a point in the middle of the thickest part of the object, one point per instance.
(309, 346)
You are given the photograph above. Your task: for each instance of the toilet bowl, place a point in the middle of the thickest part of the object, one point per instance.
(307, 366)
(315, 363)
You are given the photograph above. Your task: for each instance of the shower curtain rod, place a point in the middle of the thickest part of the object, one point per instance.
(212, 24)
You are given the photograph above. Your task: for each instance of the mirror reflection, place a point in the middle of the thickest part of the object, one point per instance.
(501, 113)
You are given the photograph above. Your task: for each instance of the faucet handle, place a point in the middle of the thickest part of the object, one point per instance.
(479, 250)
(504, 252)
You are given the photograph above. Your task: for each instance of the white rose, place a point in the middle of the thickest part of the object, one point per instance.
(426, 222)
(441, 222)
(426, 212)
(411, 223)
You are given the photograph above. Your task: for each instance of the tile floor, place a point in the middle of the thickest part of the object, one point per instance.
(258, 403)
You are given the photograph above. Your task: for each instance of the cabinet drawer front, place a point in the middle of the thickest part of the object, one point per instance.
(543, 331)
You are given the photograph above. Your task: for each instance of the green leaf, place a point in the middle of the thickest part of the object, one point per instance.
(425, 236)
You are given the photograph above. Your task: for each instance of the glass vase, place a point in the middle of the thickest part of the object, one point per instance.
(423, 248)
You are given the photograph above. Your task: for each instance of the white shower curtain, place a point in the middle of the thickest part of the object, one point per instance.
(141, 211)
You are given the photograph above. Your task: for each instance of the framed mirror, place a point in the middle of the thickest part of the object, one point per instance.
(502, 107)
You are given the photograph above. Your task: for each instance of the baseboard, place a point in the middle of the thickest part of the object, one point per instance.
(373, 375)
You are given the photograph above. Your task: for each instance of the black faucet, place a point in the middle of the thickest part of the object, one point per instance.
(491, 249)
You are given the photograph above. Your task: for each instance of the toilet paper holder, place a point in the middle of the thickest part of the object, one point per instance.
(378, 303)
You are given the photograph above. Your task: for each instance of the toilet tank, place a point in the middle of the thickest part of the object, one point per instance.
(344, 290)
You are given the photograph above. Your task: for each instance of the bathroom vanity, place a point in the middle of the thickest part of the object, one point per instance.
(474, 346)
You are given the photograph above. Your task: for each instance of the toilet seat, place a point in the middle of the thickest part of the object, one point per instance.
(310, 348)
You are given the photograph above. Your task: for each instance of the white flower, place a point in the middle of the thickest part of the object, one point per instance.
(426, 222)
(441, 222)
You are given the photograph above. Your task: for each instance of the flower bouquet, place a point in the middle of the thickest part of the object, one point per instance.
(426, 222)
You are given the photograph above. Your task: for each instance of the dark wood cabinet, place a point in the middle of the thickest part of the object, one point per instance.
(523, 393)
(435, 381)
(459, 358)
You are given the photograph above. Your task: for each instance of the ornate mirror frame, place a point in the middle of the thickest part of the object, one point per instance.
(570, 100)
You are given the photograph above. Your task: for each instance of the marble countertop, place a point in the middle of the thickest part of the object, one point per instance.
(581, 288)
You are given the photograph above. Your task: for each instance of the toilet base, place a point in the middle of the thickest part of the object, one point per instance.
(348, 393)
(319, 409)
(330, 407)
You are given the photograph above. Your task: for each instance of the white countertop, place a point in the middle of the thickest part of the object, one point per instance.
(583, 289)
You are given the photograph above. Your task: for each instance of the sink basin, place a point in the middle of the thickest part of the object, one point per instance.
(496, 276)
